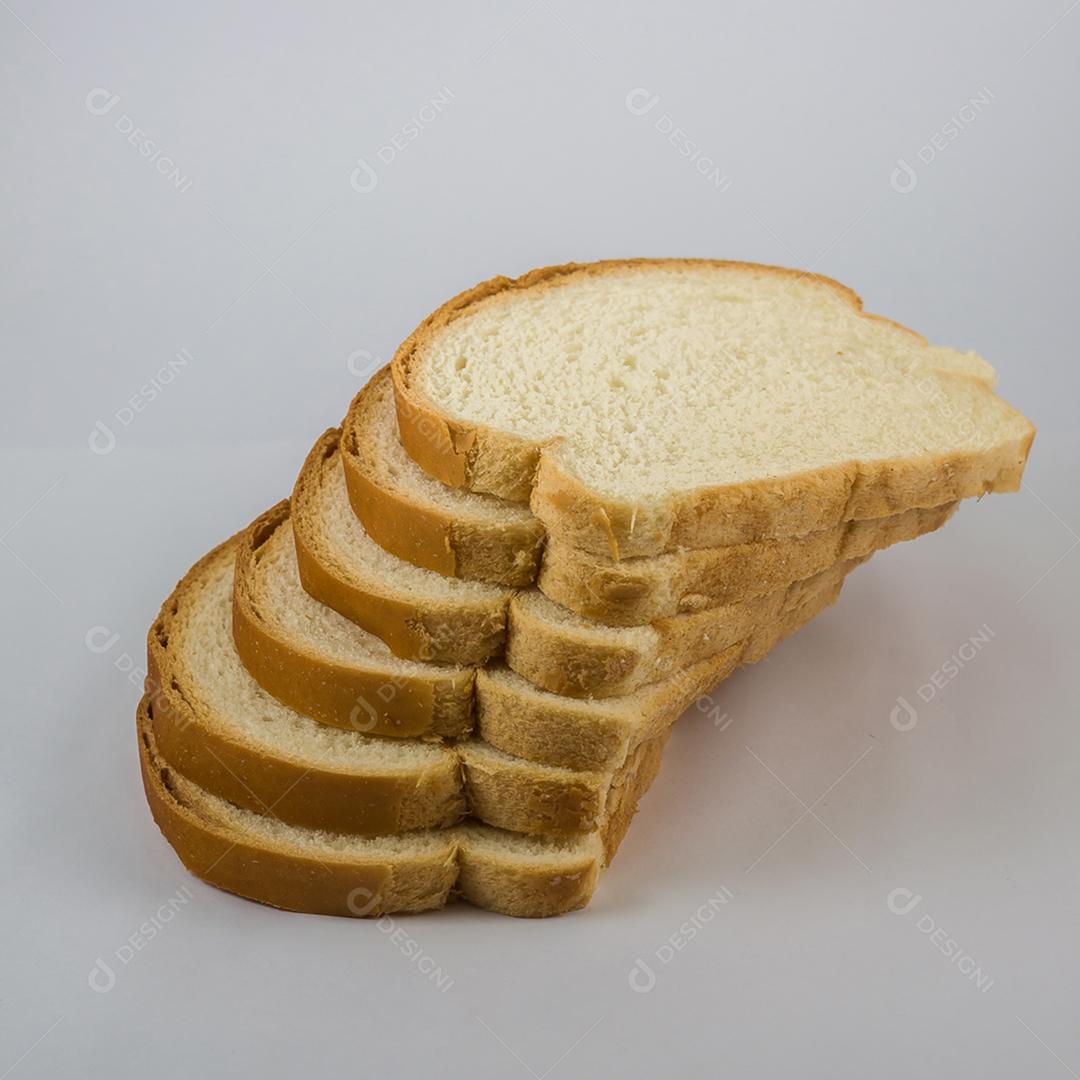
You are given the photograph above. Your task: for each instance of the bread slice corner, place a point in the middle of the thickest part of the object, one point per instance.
(455, 532)
(419, 613)
(324, 665)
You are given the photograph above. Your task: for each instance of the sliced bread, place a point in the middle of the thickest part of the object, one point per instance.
(650, 405)
(217, 726)
(376, 692)
(525, 721)
(450, 530)
(568, 654)
(632, 592)
(336, 873)
(420, 614)
(316, 652)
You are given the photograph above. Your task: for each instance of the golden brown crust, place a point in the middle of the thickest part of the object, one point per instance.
(350, 885)
(375, 799)
(404, 531)
(464, 633)
(476, 456)
(296, 791)
(461, 455)
(575, 661)
(357, 697)
(293, 791)
(567, 733)
(556, 657)
(565, 887)
(509, 888)
(534, 802)
(627, 788)
(773, 509)
(284, 879)
(428, 535)
(634, 592)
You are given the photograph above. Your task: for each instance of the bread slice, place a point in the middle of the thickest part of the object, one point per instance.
(450, 530)
(632, 592)
(649, 405)
(374, 692)
(525, 721)
(218, 727)
(335, 873)
(420, 614)
(568, 654)
(551, 646)
(559, 786)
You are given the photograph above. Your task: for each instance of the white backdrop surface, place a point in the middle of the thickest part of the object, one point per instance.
(216, 220)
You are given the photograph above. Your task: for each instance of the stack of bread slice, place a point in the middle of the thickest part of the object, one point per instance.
(574, 504)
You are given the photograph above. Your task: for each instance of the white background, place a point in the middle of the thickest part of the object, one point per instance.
(280, 279)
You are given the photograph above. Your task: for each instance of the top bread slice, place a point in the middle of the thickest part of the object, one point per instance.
(643, 406)
(424, 521)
